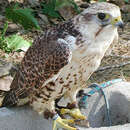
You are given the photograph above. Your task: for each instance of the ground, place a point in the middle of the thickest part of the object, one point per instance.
(115, 64)
(117, 55)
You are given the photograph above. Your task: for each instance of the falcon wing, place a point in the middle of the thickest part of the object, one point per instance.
(42, 61)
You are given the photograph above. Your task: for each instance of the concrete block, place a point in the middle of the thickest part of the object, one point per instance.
(118, 96)
(24, 118)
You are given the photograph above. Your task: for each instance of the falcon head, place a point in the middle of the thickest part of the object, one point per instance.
(103, 14)
(98, 24)
(97, 16)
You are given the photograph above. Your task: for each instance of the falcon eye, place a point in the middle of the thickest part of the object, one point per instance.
(101, 16)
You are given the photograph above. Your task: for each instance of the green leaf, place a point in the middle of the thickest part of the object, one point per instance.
(127, 1)
(49, 9)
(75, 6)
(16, 42)
(4, 30)
(22, 16)
(13, 42)
(3, 43)
(52, 7)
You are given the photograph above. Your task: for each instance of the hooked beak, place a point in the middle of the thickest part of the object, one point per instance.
(118, 22)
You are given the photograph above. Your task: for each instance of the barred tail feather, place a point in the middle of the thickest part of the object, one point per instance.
(2, 96)
(12, 100)
(1, 100)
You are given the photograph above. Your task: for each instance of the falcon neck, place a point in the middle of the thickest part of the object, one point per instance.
(94, 39)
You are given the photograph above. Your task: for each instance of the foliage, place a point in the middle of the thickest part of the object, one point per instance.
(25, 18)
(22, 16)
(3, 31)
(16, 43)
(51, 8)
(127, 1)
(3, 43)
(13, 42)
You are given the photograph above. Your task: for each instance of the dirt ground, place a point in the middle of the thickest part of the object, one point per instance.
(116, 60)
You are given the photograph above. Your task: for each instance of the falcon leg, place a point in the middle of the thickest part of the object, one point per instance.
(58, 122)
(73, 109)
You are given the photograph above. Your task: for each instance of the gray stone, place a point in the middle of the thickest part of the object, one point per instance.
(24, 118)
(5, 68)
(118, 96)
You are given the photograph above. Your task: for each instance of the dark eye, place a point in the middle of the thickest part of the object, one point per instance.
(101, 16)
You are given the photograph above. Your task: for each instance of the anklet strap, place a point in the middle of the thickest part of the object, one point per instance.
(55, 116)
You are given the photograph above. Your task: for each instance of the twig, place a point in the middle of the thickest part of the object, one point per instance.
(118, 56)
(113, 66)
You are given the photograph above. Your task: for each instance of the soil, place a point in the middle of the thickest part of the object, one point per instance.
(117, 54)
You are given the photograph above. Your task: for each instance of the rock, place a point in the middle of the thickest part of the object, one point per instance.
(118, 96)
(44, 18)
(5, 68)
(5, 83)
(84, 5)
(12, 27)
(118, 127)
(20, 1)
(67, 12)
(2, 18)
(34, 2)
(24, 118)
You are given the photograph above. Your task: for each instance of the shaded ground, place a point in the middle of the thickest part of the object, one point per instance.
(118, 53)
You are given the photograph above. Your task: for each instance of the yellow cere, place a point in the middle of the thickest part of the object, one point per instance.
(115, 20)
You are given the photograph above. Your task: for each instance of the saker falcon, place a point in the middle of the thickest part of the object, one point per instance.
(61, 61)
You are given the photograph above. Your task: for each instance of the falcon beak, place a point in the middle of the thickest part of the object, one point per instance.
(118, 22)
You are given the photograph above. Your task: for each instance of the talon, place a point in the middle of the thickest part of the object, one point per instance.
(75, 113)
(69, 121)
(64, 111)
(62, 123)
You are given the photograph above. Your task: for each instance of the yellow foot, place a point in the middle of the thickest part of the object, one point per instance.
(62, 123)
(75, 113)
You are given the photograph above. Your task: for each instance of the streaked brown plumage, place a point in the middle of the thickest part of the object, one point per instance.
(61, 61)
(42, 61)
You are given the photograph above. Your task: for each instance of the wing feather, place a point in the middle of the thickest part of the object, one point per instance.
(41, 62)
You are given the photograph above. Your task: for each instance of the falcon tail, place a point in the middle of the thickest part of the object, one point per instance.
(15, 95)
(2, 96)
(6, 99)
